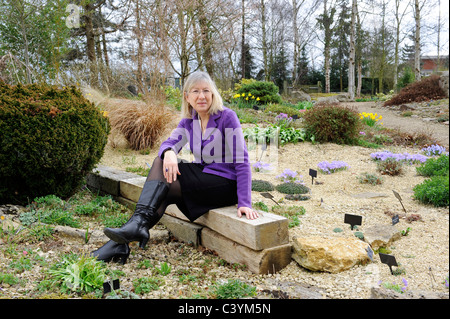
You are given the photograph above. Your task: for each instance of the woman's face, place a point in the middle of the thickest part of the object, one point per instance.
(200, 97)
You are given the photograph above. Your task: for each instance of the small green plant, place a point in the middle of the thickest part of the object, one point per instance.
(359, 235)
(261, 186)
(371, 179)
(145, 285)
(78, 273)
(233, 289)
(164, 269)
(292, 188)
(406, 231)
(8, 279)
(260, 206)
(292, 213)
(396, 287)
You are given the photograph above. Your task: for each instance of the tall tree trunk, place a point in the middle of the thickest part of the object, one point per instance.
(206, 39)
(327, 21)
(243, 53)
(140, 50)
(264, 41)
(351, 64)
(90, 46)
(294, 26)
(417, 41)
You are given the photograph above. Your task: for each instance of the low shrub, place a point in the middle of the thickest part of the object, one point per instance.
(264, 92)
(292, 188)
(50, 139)
(426, 89)
(332, 123)
(433, 191)
(390, 166)
(434, 166)
(261, 186)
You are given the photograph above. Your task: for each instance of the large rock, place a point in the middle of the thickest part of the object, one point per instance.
(381, 235)
(301, 96)
(443, 82)
(332, 255)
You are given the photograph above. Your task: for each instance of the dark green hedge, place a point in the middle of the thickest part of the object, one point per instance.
(50, 139)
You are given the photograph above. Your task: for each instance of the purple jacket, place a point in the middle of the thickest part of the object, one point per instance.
(221, 150)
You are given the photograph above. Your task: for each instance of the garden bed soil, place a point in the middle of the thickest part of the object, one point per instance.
(423, 253)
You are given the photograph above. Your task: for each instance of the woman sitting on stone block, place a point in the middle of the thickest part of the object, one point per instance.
(220, 174)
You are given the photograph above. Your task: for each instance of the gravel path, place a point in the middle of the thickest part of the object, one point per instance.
(422, 119)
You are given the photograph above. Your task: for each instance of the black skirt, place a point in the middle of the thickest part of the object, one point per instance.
(203, 191)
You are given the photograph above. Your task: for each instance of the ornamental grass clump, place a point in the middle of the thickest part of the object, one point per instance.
(141, 124)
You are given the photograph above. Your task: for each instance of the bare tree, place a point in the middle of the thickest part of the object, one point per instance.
(398, 21)
(326, 21)
(417, 49)
(351, 62)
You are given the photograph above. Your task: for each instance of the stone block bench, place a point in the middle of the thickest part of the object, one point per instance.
(261, 244)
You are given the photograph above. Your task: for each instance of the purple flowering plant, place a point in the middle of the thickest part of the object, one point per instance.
(405, 157)
(396, 287)
(261, 167)
(334, 166)
(434, 150)
(290, 176)
(283, 120)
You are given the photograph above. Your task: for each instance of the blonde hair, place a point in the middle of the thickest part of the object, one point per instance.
(194, 78)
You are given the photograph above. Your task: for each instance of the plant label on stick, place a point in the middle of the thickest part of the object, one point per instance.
(108, 286)
(369, 252)
(395, 220)
(388, 260)
(353, 220)
(399, 199)
(269, 196)
(312, 173)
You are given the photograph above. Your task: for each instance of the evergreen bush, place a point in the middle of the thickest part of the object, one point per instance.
(267, 92)
(50, 139)
(332, 123)
(433, 191)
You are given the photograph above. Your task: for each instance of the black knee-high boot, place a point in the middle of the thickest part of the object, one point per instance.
(145, 216)
(112, 251)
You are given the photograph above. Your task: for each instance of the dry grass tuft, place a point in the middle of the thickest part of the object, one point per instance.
(142, 124)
